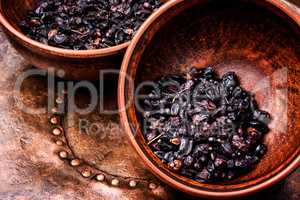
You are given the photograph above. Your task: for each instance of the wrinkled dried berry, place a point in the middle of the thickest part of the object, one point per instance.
(175, 141)
(188, 160)
(86, 24)
(204, 127)
(204, 175)
(220, 163)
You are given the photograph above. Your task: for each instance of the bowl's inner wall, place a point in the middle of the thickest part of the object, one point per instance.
(261, 47)
(15, 10)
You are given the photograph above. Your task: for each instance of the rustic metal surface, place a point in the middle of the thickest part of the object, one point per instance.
(31, 169)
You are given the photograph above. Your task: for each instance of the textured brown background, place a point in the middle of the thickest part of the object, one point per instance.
(31, 169)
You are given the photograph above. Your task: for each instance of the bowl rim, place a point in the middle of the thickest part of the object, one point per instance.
(289, 168)
(56, 50)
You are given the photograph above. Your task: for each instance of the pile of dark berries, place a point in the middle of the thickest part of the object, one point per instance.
(204, 127)
(86, 24)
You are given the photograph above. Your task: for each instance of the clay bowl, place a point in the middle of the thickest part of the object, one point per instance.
(259, 40)
(76, 64)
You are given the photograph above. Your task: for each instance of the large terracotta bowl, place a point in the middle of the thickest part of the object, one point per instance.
(259, 40)
(84, 64)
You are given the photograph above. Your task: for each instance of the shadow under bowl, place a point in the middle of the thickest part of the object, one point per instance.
(77, 64)
(259, 40)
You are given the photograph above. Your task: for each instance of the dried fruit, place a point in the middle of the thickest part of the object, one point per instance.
(175, 141)
(86, 24)
(204, 127)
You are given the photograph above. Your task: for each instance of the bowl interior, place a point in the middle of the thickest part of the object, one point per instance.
(257, 41)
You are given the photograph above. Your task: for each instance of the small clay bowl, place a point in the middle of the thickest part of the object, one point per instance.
(259, 40)
(84, 64)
